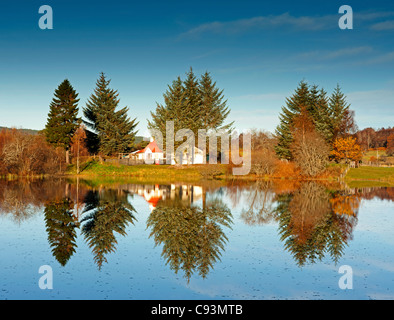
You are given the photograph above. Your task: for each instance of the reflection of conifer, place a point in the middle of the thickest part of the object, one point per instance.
(102, 218)
(309, 227)
(61, 227)
(192, 237)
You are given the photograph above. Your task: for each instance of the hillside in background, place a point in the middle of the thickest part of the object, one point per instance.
(30, 131)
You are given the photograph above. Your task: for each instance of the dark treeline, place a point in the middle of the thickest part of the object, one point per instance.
(370, 138)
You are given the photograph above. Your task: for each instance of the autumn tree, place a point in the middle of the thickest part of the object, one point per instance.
(390, 145)
(78, 146)
(264, 159)
(331, 116)
(346, 149)
(309, 149)
(28, 154)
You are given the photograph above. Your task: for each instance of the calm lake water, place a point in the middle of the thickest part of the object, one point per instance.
(179, 241)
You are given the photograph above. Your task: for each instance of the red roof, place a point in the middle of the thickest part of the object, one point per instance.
(153, 201)
(152, 146)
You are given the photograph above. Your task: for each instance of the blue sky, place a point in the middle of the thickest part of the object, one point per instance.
(257, 51)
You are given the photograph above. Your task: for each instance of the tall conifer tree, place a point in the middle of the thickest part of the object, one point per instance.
(192, 104)
(214, 109)
(173, 109)
(342, 118)
(63, 117)
(114, 129)
(300, 99)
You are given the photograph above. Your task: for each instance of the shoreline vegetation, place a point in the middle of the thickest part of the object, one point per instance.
(196, 173)
(317, 139)
(103, 174)
(364, 176)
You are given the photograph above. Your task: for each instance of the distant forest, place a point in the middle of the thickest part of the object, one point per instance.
(30, 131)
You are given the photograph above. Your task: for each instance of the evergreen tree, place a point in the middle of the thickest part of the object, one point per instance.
(192, 104)
(63, 117)
(175, 109)
(301, 98)
(192, 113)
(339, 111)
(114, 129)
(214, 109)
(331, 117)
(320, 113)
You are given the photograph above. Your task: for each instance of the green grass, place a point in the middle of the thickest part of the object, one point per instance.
(155, 173)
(376, 174)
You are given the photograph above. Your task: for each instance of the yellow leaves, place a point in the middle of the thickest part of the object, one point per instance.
(347, 149)
(345, 204)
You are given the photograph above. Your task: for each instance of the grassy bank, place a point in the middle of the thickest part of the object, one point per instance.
(371, 176)
(190, 173)
(153, 173)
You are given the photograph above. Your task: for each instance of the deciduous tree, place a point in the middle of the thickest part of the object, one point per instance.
(346, 149)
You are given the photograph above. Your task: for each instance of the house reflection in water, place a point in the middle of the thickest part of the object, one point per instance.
(153, 194)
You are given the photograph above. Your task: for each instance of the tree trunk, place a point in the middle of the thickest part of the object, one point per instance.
(68, 156)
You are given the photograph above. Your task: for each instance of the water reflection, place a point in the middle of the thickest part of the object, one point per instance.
(189, 222)
(192, 236)
(311, 225)
(61, 225)
(106, 213)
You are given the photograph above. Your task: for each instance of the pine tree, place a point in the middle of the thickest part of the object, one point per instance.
(192, 104)
(214, 109)
(320, 112)
(174, 109)
(114, 130)
(192, 112)
(301, 98)
(63, 117)
(342, 118)
(331, 117)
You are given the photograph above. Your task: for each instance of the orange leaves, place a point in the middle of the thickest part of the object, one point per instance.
(345, 204)
(346, 149)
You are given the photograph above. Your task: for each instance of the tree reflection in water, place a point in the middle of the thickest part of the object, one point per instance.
(192, 237)
(260, 199)
(312, 220)
(309, 225)
(61, 225)
(105, 213)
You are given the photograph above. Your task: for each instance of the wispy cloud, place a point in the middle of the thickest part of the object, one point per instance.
(383, 26)
(290, 22)
(264, 22)
(382, 58)
(335, 54)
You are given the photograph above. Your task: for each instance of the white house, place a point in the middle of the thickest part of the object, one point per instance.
(150, 154)
(194, 157)
(153, 154)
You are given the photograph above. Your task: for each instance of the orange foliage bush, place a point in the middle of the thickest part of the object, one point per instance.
(27, 154)
(286, 170)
